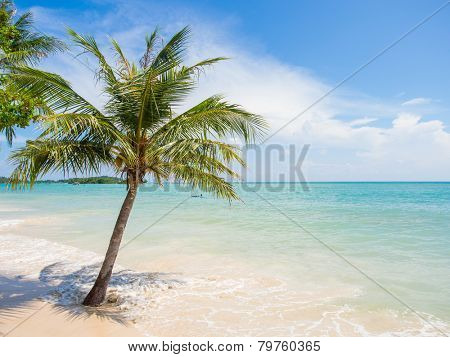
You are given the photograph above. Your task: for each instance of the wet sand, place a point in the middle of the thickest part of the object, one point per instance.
(42, 284)
(26, 294)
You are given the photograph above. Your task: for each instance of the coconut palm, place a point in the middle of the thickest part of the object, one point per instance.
(139, 131)
(20, 44)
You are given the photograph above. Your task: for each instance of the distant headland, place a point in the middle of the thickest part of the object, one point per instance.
(79, 180)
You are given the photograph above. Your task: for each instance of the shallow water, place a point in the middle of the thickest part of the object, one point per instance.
(282, 262)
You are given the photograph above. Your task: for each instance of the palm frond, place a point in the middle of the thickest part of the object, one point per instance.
(29, 47)
(24, 21)
(40, 157)
(31, 50)
(200, 66)
(198, 178)
(56, 92)
(75, 126)
(89, 45)
(150, 46)
(10, 134)
(216, 118)
(188, 150)
(125, 69)
(158, 75)
(171, 55)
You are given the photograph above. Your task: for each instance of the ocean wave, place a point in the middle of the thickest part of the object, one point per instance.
(8, 223)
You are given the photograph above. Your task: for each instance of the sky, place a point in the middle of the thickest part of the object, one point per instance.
(388, 122)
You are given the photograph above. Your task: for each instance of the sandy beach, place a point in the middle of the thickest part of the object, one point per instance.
(26, 307)
(43, 319)
(41, 295)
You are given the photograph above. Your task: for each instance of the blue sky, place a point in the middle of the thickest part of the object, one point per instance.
(390, 122)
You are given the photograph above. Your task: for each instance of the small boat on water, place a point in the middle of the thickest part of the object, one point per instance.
(196, 194)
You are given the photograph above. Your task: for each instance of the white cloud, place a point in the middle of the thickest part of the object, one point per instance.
(417, 101)
(362, 121)
(409, 149)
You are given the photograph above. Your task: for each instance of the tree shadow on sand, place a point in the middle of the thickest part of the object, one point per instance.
(16, 293)
(66, 289)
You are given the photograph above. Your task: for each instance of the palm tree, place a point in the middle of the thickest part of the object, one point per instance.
(20, 45)
(138, 132)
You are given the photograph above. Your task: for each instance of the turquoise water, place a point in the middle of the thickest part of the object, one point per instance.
(396, 233)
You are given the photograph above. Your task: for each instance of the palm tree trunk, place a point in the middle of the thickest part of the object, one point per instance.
(98, 292)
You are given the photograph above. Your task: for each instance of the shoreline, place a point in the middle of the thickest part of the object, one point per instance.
(32, 305)
(162, 304)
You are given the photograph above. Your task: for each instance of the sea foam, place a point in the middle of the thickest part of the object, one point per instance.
(203, 305)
